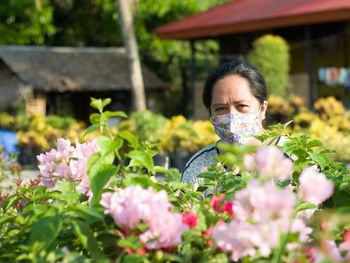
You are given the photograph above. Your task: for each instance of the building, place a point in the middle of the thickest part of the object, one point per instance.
(318, 32)
(61, 80)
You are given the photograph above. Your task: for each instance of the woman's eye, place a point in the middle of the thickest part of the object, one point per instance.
(220, 109)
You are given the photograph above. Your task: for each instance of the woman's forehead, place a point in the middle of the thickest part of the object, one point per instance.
(231, 89)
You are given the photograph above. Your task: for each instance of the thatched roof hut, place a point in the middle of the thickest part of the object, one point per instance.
(28, 69)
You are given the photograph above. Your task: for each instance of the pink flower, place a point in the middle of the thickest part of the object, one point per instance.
(346, 236)
(167, 228)
(243, 239)
(64, 150)
(216, 201)
(262, 213)
(220, 207)
(133, 205)
(249, 163)
(334, 252)
(306, 214)
(80, 157)
(190, 219)
(314, 187)
(298, 226)
(272, 163)
(228, 207)
(67, 162)
(258, 202)
(204, 169)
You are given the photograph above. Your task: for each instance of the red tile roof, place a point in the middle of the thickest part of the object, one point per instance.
(251, 15)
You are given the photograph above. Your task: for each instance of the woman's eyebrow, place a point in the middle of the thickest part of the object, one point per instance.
(243, 101)
(219, 104)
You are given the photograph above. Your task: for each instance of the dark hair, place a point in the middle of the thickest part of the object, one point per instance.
(237, 67)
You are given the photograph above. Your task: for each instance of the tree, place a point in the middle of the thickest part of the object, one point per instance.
(130, 43)
(95, 23)
(85, 23)
(26, 22)
(271, 56)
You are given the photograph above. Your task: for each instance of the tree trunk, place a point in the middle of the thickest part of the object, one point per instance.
(130, 44)
(38, 5)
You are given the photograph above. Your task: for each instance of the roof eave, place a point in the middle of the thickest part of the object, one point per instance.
(278, 22)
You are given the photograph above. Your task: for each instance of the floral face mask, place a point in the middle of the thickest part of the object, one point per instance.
(236, 127)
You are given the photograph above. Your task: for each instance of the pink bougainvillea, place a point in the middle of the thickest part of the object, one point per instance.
(190, 218)
(67, 162)
(133, 205)
(269, 162)
(314, 187)
(262, 212)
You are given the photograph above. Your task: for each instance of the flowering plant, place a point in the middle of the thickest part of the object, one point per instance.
(99, 203)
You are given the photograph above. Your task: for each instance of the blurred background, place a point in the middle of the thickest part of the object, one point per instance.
(56, 54)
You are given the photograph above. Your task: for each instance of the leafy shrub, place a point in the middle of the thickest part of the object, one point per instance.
(174, 134)
(58, 122)
(145, 125)
(6, 121)
(108, 210)
(270, 55)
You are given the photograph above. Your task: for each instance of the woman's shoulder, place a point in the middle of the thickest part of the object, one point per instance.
(280, 142)
(202, 158)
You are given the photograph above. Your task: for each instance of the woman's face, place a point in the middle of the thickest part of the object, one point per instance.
(232, 95)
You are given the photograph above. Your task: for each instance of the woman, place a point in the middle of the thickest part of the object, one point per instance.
(236, 98)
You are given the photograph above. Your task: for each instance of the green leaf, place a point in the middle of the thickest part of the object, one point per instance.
(209, 176)
(10, 200)
(202, 188)
(303, 206)
(132, 242)
(344, 186)
(99, 104)
(93, 160)
(143, 159)
(322, 151)
(160, 169)
(107, 145)
(95, 118)
(285, 125)
(109, 114)
(139, 179)
(98, 177)
(90, 129)
(89, 211)
(172, 258)
(86, 237)
(246, 176)
(130, 138)
(320, 159)
(314, 143)
(105, 102)
(132, 258)
(219, 258)
(45, 231)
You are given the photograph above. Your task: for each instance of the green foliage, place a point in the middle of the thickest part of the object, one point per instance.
(271, 56)
(86, 23)
(58, 122)
(38, 224)
(26, 22)
(95, 23)
(145, 125)
(330, 123)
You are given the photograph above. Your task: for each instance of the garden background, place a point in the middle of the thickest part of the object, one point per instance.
(130, 151)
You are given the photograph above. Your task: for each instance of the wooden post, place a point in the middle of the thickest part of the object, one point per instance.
(193, 73)
(38, 5)
(309, 65)
(130, 43)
